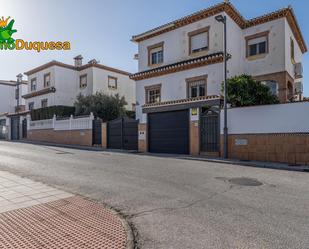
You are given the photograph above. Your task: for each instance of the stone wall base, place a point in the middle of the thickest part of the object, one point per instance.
(74, 137)
(283, 148)
(142, 138)
(104, 135)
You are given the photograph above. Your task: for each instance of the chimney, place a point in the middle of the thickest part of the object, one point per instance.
(93, 61)
(78, 61)
(19, 78)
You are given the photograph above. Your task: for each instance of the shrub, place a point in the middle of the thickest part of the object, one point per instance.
(48, 112)
(243, 90)
(106, 107)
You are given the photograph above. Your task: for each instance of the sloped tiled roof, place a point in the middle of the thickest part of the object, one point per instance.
(228, 8)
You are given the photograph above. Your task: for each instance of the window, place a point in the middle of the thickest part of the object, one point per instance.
(47, 80)
(197, 86)
(257, 44)
(112, 82)
(273, 86)
(31, 106)
(83, 81)
(33, 84)
(17, 93)
(155, 54)
(199, 40)
(292, 51)
(44, 103)
(153, 94)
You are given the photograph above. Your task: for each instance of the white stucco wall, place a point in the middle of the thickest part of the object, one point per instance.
(67, 84)
(274, 61)
(176, 42)
(7, 98)
(298, 55)
(174, 85)
(282, 118)
(23, 89)
(125, 86)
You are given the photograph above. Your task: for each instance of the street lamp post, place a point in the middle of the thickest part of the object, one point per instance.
(222, 19)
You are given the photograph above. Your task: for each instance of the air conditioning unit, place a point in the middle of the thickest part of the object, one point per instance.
(298, 87)
(298, 70)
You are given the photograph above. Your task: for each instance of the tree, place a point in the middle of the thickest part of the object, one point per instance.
(106, 107)
(243, 90)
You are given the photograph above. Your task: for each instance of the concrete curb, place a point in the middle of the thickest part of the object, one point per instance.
(78, 147)
(255, 164)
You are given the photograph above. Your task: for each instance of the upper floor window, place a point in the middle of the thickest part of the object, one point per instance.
(31, 106)
(112, 82)
(33, 84)
(197, 86)
(83, 81)
(273, 86)
(257, 44)
(44, 103)
(292, 51)
(153, 94)
(47, 80)
(155, 54)
(199, 40)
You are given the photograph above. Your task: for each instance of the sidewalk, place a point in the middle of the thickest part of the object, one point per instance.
(33, 215)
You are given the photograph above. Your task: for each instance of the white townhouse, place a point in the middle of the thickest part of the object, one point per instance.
(178, 84)
(11, 104)
(56, 83)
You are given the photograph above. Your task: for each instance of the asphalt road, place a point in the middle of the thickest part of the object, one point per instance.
(175, 203)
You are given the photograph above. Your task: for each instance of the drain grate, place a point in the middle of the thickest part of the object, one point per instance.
(68, 223)
(243, 181)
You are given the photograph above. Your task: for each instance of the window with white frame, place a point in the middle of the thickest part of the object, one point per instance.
(153, 94)
(197, 87)
(33, 84)
(44, 103)
(47, 80)
(112, 82)
(257, 44)
(272, 85)
(155, 54)
(199, 40)
(83, 81)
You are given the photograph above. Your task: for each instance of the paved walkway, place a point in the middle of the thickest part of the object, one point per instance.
(33, 215)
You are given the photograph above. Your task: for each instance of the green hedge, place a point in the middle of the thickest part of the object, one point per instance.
(48, 112)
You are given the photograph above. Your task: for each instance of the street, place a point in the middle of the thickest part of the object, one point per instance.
(177, 203)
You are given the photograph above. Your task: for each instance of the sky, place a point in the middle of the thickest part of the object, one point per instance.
(102, 29)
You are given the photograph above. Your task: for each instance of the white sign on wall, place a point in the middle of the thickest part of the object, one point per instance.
(194, 114)
(241, 142)
(142, 135)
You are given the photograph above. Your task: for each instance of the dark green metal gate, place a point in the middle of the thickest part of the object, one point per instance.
(122, 134)
(15, 128)
(97, 132)
(3, 129)
(210, 131)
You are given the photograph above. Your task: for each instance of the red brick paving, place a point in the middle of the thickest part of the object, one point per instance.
(67, 223)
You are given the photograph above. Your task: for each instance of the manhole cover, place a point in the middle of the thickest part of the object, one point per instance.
(243, 181)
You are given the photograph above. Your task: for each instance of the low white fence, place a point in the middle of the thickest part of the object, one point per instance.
(281, 118)
(72, 123)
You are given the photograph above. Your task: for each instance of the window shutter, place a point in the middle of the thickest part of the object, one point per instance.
(199, 41)
(257, 40)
